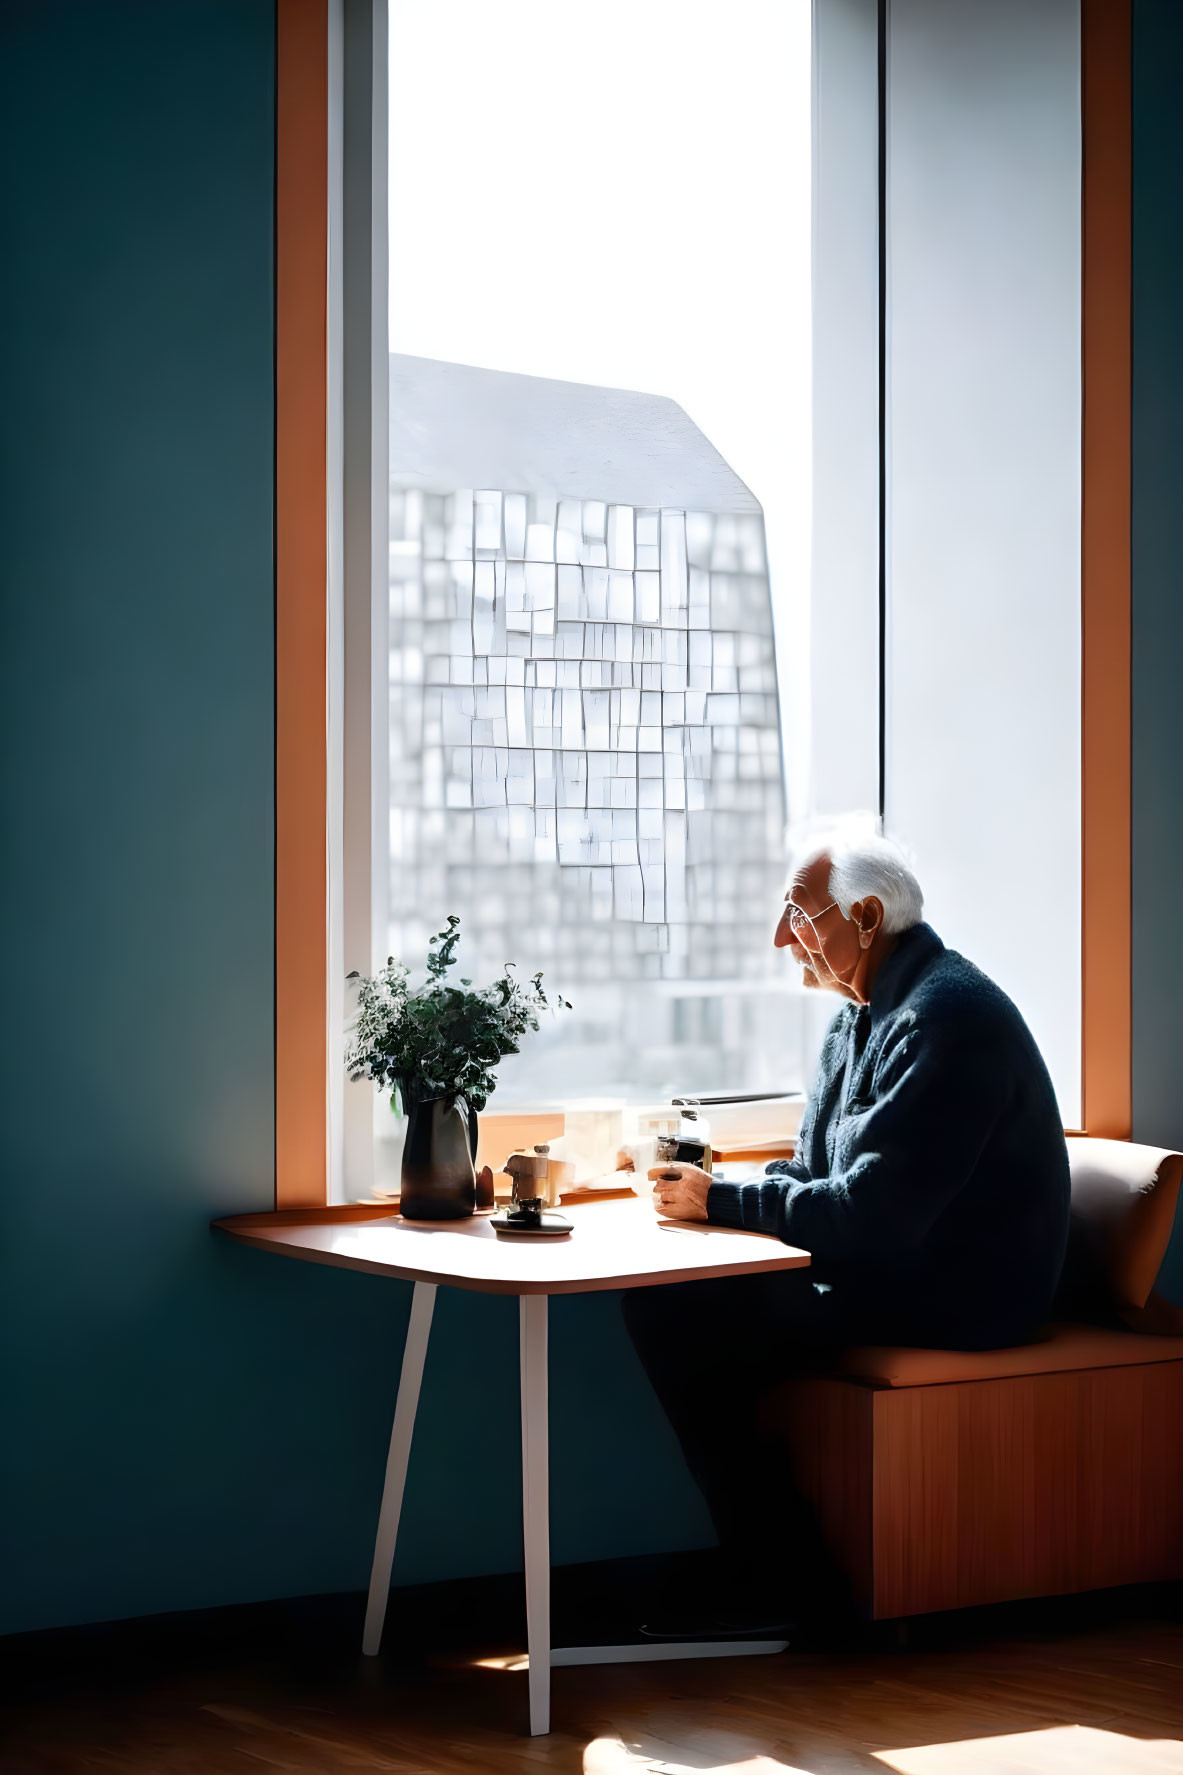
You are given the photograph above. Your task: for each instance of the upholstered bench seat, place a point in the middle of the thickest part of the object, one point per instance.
(943, 1479)
(1064, 1348)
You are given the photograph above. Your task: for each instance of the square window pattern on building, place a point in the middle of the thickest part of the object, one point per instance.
(585, 765)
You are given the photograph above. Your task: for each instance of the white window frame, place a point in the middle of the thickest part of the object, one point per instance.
(359, 429)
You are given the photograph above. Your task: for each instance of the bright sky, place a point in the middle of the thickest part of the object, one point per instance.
(619, 193)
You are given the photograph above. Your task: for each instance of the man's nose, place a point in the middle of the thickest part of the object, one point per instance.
(783, 934)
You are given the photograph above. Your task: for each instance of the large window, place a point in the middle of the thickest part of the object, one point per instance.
(599, 546)
(642, 559)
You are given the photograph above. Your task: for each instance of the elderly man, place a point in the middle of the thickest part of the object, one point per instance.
(930, 1185)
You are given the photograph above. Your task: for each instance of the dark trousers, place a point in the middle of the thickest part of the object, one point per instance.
(710, 1350)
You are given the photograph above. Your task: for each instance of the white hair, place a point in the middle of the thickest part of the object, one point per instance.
(866, 864)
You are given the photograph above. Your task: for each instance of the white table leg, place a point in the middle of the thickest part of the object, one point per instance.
(414, 1352)
(536, 1504)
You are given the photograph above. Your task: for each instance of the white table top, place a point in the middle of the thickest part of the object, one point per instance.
(617, 1244)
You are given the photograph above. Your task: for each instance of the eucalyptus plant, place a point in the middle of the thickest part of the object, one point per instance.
(438, 1040)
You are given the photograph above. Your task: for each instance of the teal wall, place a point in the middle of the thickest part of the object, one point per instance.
(1158, 586)
(186, 1423)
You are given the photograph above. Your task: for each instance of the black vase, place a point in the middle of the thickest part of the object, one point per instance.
(439, 1179)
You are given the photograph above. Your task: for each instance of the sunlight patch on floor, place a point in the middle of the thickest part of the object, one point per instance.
(1056, 1750)
(612, 1756)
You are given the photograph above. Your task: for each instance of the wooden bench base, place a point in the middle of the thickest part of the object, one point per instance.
(946, 1496)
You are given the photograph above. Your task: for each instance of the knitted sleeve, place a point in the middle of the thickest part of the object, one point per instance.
(899, 1159)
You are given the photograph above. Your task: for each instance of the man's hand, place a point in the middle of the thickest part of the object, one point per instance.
(680, 1190)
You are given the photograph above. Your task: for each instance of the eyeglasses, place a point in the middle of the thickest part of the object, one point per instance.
(799, 918)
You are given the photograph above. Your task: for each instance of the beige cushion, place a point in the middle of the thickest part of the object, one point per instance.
(1123, 1209)
(1065, 1347)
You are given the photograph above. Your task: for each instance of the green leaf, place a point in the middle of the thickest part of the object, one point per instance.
(439, 1039)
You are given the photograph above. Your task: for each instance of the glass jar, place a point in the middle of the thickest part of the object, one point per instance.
(690, 1143)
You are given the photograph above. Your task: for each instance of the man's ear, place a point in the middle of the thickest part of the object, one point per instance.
(867, 917)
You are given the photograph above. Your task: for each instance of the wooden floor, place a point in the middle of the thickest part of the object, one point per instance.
(1086, 1692)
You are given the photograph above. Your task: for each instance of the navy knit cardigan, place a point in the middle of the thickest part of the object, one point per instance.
(931, 1178)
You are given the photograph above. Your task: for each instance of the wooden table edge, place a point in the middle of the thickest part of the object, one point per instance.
(790, 1258)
